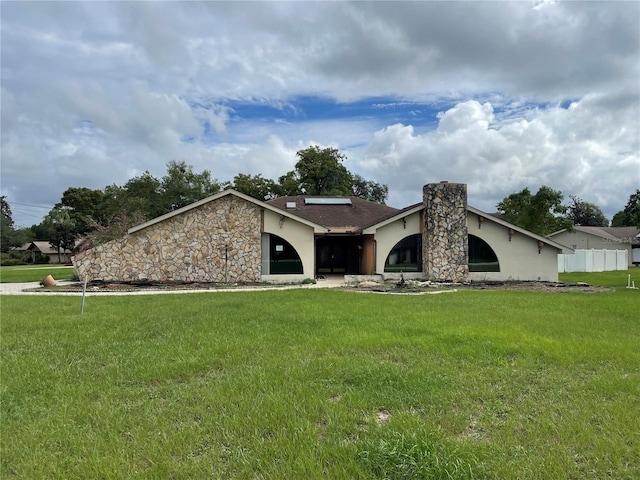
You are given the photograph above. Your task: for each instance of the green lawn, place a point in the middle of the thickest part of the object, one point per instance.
(314, 384)
(618, 279)
(34, 273)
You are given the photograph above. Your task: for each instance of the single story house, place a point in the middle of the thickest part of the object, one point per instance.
(602, 238)
(40, 249)
(231, 237)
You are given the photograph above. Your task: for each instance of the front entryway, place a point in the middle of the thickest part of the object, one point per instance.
(338, 255)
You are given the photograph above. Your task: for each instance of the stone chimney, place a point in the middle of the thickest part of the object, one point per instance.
(445, 248)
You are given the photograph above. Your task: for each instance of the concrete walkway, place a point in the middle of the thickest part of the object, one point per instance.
(22, 288)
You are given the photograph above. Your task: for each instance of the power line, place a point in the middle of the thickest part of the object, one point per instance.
(29, 205)
(26, 213)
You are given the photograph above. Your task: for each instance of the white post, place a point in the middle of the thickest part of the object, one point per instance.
(84, 291)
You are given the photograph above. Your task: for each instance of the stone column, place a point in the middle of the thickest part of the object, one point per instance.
(445, 248)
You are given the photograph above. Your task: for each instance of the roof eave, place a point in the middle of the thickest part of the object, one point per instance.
(403, 213)
(316, 228)
(545, 240)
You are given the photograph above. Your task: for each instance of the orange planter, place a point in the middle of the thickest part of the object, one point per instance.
(49, 281)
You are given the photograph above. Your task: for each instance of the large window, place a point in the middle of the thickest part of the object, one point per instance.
(283, 258)
(482, 258)
(406, 256)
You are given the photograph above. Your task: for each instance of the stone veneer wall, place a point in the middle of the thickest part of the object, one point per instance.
(189, 247)
(445, 248)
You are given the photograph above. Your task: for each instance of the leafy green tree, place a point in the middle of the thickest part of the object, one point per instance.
(585, 213)
(289, 185)
(62, 230)
(40, 231)
(369, 190)
(143, 194)
(182, 186)
(147, 197)
(9, 236)
(255, 186)
(140, 196)
(84, 206)
(542, 213)
(319, 171)
(630, 216)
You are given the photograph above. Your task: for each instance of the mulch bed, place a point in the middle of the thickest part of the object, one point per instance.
(553, 287)
(101, 286)
(387, 287)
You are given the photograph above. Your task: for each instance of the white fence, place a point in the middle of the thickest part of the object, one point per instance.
(593, 261)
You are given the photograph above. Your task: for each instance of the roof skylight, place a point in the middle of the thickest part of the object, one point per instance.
(327, 201)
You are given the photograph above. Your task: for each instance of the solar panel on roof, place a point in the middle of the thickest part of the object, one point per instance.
(327, 201)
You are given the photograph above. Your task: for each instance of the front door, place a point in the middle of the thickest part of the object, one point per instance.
(338, 255)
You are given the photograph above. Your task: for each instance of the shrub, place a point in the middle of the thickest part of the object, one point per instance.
(9, 259)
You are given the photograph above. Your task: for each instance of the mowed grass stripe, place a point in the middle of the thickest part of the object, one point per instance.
(322, 384)
(34, 273)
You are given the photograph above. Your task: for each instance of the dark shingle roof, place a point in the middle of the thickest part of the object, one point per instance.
(338, 218)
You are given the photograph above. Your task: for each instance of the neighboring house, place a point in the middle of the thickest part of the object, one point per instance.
(231, 237)
(39, 250)
(602, 238)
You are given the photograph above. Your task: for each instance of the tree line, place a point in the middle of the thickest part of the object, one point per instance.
(101, 215)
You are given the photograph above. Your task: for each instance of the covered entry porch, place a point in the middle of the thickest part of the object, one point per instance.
(344, 254)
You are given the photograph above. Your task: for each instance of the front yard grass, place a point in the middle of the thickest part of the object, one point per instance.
(34, 273)
(615, 279)
(322, 384)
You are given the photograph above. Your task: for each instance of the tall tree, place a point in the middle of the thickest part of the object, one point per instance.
(319, 171)
(369, 190)
(585, 214)
(288, 185)
(9, 236)
(630, 216)
(542, 213)
(182, 186)
(255, 186)
(62, 230)
(146, 196)
(84, 206)
(140, 196)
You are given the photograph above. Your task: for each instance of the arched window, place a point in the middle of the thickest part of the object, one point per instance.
(482, 258)
(406, 256)
(283, 258)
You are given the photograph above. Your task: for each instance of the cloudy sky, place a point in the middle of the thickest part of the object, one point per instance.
(498, 95)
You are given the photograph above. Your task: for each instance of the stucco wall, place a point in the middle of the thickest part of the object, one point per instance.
(299, 235)
(387, 236)
(218, 241)
(519, 258)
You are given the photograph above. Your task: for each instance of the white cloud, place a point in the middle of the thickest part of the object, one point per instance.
(95, 92)
(588, 149)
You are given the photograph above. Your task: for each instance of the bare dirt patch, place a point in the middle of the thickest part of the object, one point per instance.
(106, 287)
(423, 287)
(409, 287)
